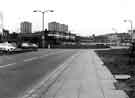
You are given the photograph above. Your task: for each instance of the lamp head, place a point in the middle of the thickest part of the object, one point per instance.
(125, 20)
(51, 10)
(35, 11)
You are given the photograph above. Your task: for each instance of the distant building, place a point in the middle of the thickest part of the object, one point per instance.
(5, 35)
(55, 26)
(26, 27)
(114, 38)
(1, 23)
(133, 35)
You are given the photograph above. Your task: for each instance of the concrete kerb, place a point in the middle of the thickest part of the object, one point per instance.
(41, 87)
(107, 83)
(102, 68)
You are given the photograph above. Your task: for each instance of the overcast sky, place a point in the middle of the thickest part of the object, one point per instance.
(84, 17)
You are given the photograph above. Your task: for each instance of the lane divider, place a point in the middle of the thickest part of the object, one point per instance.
(34, 58)
(31, 59)
(7, 65)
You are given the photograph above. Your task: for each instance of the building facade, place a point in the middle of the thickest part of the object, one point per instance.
(5, 35)
(1, 23)
(114, 38)
(26, 27)
(55, 26)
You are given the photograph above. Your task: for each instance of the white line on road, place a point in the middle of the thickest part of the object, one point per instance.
(7, 65)
(51, 77)
(45, 55)
(33, 58)
(30, 59)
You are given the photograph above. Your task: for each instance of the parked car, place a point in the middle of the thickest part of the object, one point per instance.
(7, 47)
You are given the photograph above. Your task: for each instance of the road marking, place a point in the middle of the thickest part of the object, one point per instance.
(30, 59)
(7, 65)
(49, 54)
(31, 93)
(41, 56)
(33, 58)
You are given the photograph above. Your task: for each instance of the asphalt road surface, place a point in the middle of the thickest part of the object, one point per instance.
(19, 72)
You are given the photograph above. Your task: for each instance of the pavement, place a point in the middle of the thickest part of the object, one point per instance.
(84, 77)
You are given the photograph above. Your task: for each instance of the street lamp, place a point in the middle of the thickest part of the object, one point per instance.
(116, 40)
(43, 12)
(115, 30)
(132, 48)
(131, 24)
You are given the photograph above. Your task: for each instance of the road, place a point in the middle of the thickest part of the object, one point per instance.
(56, 73)
(20, 72)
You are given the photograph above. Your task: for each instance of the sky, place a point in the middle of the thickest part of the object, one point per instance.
(84, 17)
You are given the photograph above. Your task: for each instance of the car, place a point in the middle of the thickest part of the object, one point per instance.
(27, 45)
(7, 47)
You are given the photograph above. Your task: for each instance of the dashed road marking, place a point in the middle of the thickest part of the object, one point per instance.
(41, 56)
(30, 59)
(7, 65)
(49, 54)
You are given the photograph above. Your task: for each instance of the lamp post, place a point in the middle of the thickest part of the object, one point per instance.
(131, 25)
(115, 30)
(43, 12)
(132, 72)
(116, 39)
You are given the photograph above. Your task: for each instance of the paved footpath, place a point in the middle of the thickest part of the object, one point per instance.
(85, 77)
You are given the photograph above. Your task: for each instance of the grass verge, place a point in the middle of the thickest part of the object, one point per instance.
(117, 61)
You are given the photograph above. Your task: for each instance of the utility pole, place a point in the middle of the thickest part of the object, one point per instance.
(43, 35)
(132, 49)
